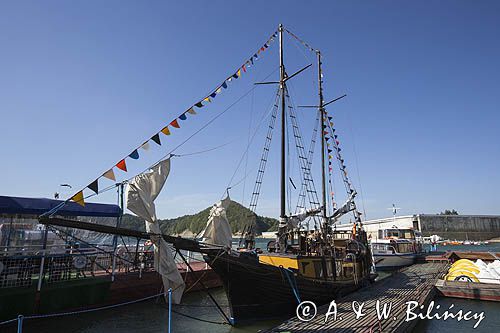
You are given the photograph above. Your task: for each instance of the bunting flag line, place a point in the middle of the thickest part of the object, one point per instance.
(165, 130)
(134, 155)
(156, 138)
(78, 198)
(110, 174)
(175, 124)
(122, 165)
(94, 186)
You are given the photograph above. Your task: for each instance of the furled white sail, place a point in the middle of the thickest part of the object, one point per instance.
(141, 194)
(218, 230)
(295, 220)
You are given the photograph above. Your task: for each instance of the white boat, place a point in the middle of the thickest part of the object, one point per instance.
(394, 248)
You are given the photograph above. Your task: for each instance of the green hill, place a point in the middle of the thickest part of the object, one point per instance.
(237, 215)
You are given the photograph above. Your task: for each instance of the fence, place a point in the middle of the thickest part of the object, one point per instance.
(24, 267)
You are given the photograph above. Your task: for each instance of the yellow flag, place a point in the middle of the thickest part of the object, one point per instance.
(78, 198)
(239, 72)
(165, 130)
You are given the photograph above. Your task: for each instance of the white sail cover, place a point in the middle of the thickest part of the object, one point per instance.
(218, 230)
(141, 194)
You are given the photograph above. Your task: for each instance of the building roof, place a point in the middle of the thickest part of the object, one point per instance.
(38, 206)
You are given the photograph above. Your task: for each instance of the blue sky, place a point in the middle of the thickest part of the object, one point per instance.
(82, 83)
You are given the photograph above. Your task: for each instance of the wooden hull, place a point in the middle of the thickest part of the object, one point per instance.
(469, 290)
(259, 291)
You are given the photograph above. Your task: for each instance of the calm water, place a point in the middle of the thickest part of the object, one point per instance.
(151, 316)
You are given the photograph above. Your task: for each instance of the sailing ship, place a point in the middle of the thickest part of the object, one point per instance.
(315, 264)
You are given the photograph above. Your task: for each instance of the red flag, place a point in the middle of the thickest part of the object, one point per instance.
(122, 165)
(175, 124)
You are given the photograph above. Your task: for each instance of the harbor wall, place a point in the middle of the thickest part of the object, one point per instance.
(473, 227)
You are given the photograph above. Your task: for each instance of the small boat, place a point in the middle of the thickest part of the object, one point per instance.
(393, 253)
(394, 248)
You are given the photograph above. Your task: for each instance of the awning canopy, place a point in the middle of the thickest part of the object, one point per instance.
(38, 206)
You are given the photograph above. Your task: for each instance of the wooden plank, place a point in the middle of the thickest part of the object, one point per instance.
(415, 283)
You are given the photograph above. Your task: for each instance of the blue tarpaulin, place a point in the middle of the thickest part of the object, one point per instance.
(38, 206)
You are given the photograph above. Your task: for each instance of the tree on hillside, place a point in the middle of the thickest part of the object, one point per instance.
(449, 212)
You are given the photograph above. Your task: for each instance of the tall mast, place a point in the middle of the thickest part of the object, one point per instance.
(323, 176)
(283, 139)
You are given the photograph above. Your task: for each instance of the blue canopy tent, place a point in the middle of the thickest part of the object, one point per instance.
(38, 206)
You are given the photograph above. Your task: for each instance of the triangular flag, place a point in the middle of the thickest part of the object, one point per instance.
(244, 69)
(134, 155)
(192, 111)
(78, 198)
(239, 72)
(262, 48)
(219, 90)
(175, 124)
(330, 117)
(337, 141)
(327, 138)
(165, 130)
(110, 174)
(235, 75)
(145, 145)
(224, 85)
(183, 116)
(330, 156)
(156, 138)
(213, 94)
(329, 150)
(122, 165)
(94, 186)
(199, 105)
(207, 99)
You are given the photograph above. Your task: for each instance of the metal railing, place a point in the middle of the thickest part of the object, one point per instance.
(25, 267)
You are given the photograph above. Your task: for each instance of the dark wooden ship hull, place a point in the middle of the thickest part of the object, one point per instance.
(259, 291)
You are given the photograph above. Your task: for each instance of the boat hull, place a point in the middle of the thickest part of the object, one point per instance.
(259, 291)
(393, 261)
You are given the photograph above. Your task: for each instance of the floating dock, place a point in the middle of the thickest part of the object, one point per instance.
(415, 283)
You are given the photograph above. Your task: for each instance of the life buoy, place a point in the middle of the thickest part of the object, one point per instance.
(79, 262)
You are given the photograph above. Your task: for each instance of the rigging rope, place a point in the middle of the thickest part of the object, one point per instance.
(58, 207)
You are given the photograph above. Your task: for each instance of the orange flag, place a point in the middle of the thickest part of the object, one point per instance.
(175, 124)
(78, 198)
(122, 165)
(165, 130)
